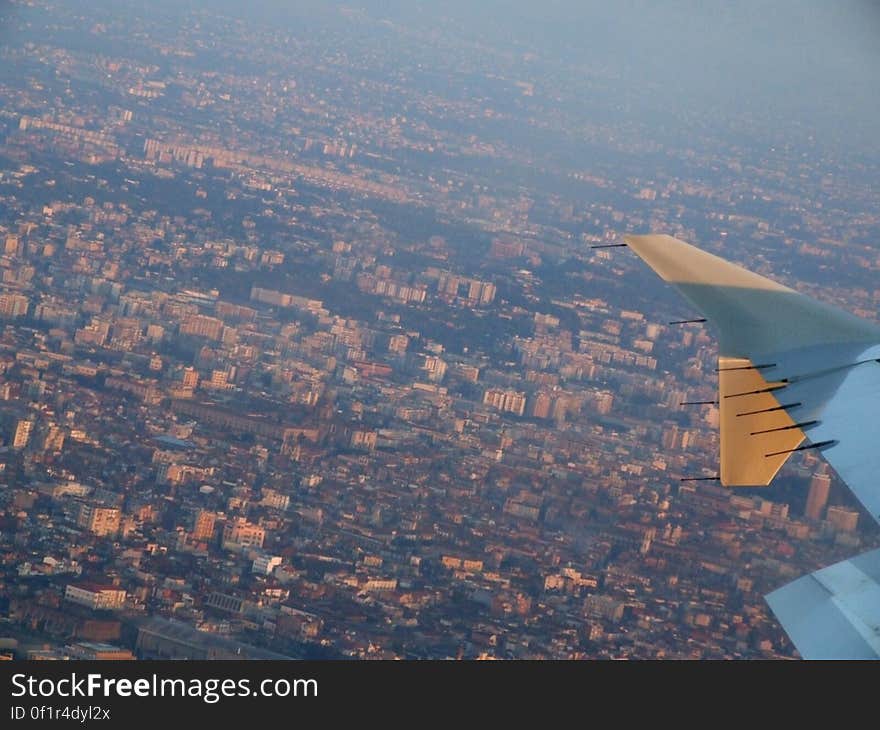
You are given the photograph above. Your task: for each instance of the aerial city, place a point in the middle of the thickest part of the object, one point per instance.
(307, 351)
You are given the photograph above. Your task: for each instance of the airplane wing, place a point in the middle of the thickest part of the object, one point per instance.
(794, 374)
(833, 613)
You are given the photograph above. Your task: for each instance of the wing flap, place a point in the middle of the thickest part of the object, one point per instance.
(757, 433)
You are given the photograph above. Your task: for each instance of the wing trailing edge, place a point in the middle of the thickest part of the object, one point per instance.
(757, 434)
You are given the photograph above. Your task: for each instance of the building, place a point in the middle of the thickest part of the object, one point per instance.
(398, 344)
(239, 533)
(817, 498)
(265, 564)
(203, 528)
(219, 380)
(95, 333)
(275, 500)
(380, 585)
(506, 249)
(22, 433)
(160, 638)
(201, 326)
(13, 305)
(603, 403)
(98, 651)
(227, 603)
(510, 401)
(434, 368)
(100, 521)
(603, 607)
(363, 439)
(190, 378)
(843, 519)
(95, 596)
(539, 405)
(54, 440)
(468, 373)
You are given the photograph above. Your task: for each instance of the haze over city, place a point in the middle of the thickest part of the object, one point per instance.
(305, 351)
